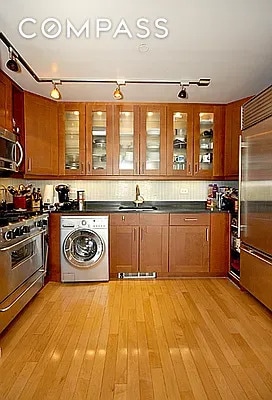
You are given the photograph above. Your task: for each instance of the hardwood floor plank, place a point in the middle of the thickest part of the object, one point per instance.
(139, 340)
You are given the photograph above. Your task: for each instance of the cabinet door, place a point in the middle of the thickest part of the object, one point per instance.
(232, 133)
(153, 249)
(208, 141)
(189, 249)
(72, 138)
(180, 140)
(126, 140)
(124, 241)
(99, 138)
(5, 102)
(152, 140)
(41, 135)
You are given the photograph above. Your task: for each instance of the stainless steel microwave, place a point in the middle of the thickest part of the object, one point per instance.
(11, 152)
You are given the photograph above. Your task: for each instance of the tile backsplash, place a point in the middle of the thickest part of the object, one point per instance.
(125, 190)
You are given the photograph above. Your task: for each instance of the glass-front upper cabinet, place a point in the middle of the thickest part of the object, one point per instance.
(126, 139)
(152, 160)
(72, 138)
(179, 140)
(99, 139)
(208, 140)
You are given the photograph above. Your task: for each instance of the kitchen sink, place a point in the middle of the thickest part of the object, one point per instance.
(139, 208)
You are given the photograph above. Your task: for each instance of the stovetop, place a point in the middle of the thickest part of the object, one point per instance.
(13, 216)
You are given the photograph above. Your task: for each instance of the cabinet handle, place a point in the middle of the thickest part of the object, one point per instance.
(89, 166)
(123, 218)
(82, 168)
(141, 234)
(190, 219)
(189, 168)
(207, 234)
(143, 168)
(29, 164)
(196, 168)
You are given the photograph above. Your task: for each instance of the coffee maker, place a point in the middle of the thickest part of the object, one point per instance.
(63, 193)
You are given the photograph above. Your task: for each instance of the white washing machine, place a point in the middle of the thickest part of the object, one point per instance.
(84, 248)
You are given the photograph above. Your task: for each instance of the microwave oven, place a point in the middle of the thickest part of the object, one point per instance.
(11, 152)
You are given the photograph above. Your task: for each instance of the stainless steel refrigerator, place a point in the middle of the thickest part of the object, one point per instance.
(256, 197)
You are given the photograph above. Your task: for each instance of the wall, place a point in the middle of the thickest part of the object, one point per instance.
(125, 190)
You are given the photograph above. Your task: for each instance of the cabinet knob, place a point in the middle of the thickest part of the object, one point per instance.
(123, 218)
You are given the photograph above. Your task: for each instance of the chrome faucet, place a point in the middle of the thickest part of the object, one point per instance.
(139, 199)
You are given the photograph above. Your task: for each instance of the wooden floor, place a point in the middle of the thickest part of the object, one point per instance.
(160, 339)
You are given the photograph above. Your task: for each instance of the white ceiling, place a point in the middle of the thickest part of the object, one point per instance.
(229, 41)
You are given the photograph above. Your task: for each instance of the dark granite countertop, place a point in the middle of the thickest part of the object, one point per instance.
(146, 207)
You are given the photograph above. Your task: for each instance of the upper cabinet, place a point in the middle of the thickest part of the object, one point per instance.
(5, 102)
(195, 140)
(41, 135)
(99, 139)
(71, 138)
(232, 133)
(139, 140)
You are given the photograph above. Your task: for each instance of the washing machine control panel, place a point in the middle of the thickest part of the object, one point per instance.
(93, 224)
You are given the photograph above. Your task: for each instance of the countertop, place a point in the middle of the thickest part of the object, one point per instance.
(161, 207)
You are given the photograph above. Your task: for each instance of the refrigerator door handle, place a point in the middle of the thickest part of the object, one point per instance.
(255, 254)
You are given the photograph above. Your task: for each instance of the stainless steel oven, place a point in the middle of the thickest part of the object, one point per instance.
(22, 268)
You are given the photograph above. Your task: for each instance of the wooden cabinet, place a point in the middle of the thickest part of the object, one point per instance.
(5, 102)
(219, 244)
(138, 243)
(195, 140)
(71, 125)
(140, 139)
(41, 136)
(189, 240)
(232, 134)
(208, 141)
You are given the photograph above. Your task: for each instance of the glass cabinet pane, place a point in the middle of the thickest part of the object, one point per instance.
(153, 140)
(126, 140)
(206, 141)
(99, 139)
(72, 140)
(180, 141)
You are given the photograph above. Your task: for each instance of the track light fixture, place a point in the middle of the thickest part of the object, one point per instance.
(182, 94)
(12, 64)
(55, 93)
(15, 56)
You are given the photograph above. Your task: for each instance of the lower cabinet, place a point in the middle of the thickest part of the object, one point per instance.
(138, 243)
(189, 240)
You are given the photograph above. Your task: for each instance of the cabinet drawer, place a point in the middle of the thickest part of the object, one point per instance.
(154, 219)
(189, 219)
(124, 219)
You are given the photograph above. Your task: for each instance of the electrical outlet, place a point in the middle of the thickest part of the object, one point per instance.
(184, 191)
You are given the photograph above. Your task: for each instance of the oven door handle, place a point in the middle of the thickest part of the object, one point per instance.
(29, 238)
(23, 293)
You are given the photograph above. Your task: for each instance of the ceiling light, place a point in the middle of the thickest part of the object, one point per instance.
(183, 94)
(55, 93)
(117, 94)
(12, 64)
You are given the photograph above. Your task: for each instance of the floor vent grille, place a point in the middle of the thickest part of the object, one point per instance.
(137, 275)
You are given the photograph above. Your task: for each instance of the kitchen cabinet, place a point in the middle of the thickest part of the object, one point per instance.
(189, 241)
(41, 135)
(208, 141)
(99, 139)
(232, 134)
(138, 243)
(139, 140)
(71, 117)
(5, 102)
(195, 140)
(219, 243)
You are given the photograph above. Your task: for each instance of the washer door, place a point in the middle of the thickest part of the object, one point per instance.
(83, 248)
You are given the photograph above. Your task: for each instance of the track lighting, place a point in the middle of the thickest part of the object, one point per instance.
(12, 64)
(55, 93)
(183, 94)
(117, 94)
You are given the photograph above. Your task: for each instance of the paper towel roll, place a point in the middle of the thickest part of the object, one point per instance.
(48, 196)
